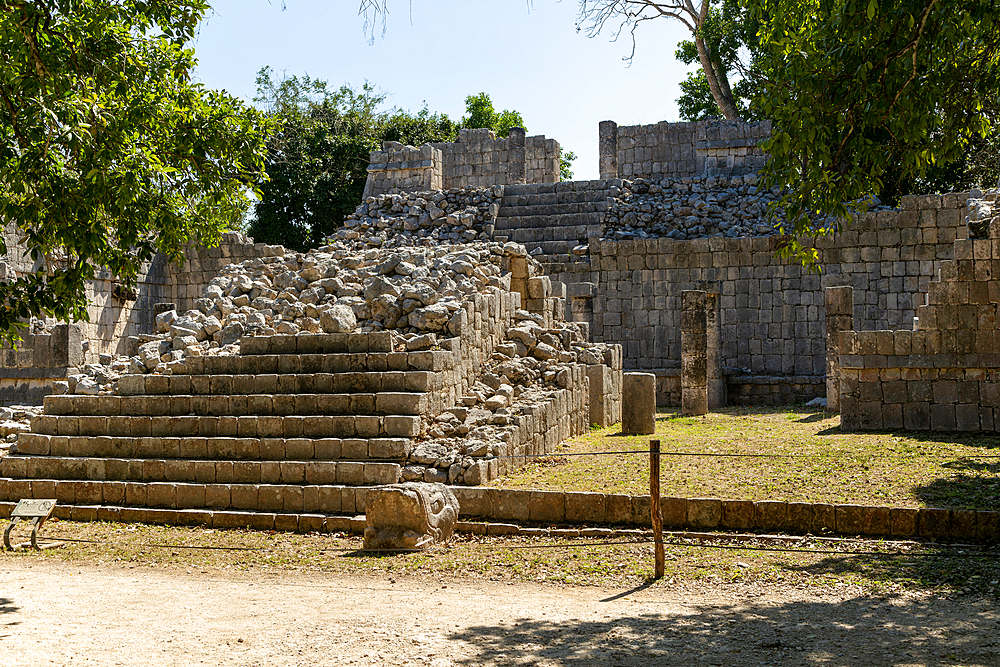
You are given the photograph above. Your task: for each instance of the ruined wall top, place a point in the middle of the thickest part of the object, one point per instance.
(476, 159)
(703, 148)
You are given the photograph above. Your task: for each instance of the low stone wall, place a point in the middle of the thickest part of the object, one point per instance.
(489, 511)
(477, 159)
(944, 376)
(707, 147)
(27, 373)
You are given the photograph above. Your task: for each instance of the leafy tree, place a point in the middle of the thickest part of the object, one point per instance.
(480, 113)
(713, 46)
(731, 35)
(566, 164)
(859, 87)
(318, 161)
(108, 151)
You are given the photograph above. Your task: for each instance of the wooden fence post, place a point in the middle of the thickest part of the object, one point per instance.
(654, 505)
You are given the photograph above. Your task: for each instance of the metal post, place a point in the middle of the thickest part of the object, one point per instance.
(654, 505)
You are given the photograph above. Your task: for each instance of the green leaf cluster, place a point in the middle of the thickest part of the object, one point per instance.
(730, 34)
(317, 162)
(481, 114)
(863, 90)
(109, 152)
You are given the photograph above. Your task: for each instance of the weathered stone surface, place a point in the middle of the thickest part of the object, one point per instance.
(639, 404)
(409, 516)
(338, 319)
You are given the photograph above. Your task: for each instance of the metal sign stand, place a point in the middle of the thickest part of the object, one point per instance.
(36, 510)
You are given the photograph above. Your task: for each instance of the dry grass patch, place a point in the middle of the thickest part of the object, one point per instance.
(752, 564)
(815, 462)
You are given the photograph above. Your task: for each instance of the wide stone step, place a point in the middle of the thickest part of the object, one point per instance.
(374, 341)
(584, 207)
(348, 473)
(271, 383)
(222, 405)
(534, 235)
(227, 449)
(548, 221)
(324, 499)
(294, 364)
(339, 426)
(291, 522)
(551, 248)
(561, 187)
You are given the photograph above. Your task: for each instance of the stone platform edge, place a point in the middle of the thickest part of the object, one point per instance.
(489, 511)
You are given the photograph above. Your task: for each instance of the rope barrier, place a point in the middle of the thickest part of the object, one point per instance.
(980, 552)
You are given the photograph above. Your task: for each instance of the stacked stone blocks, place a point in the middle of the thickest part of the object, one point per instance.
(772, 312)
(709, 147)
(945, 376)
(27, 373)
(399, 168)
(476, 159)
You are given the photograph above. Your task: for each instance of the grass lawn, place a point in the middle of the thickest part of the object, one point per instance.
(816, 462)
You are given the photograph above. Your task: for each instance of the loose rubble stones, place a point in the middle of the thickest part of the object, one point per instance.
(423, 218)
(686, 208)
(420, 294)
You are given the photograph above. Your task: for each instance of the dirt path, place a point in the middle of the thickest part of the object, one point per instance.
(61, 614)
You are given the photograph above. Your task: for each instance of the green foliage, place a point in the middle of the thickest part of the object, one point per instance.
(318, 161)
(109, 151)
(730, 35)
(480, 113)
(863, 88)
(565, 164)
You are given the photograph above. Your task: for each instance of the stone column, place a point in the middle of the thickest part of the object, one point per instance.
(517, 166)
(608, 148)
(694, 353)
(839, 317)
(639, 404)
(713, 343)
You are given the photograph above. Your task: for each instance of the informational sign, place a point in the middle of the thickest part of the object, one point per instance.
(36, 511)
(31, 508)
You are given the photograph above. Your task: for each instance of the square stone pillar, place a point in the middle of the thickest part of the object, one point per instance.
(717, 397)
(639, 404)
(608, 148)
(694, 353)
(517, 165)
(839, 317)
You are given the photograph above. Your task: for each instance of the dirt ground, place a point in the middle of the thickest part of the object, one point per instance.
(57, 613)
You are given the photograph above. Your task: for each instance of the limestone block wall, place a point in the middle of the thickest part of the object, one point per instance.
(772, 312)
(480, 159)
(703, 148)
(477, 159)
(399, 168)
(113, 315)
(27, 373)
(944, 376)
(113, 318)
(201, 265)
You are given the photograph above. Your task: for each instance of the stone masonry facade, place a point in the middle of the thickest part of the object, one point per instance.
(943, 373)
(477, 159)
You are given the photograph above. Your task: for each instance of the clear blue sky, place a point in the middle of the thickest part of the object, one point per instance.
(439, 51)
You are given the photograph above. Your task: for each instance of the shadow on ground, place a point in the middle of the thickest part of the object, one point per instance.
(7, 606)
(854, 632)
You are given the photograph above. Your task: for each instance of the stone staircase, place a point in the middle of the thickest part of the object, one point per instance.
(287, 436)
(554, 217)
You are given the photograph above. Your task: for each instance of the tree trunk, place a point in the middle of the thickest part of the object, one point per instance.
(718, 83)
